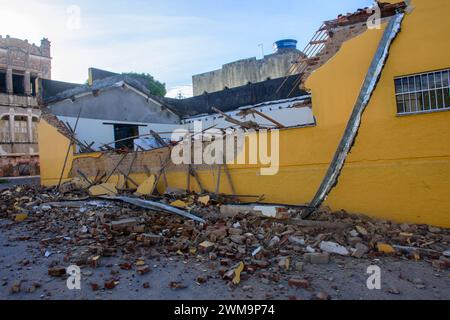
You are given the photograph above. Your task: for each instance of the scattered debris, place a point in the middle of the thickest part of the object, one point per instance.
(385, 248)
(147, 187)
(332, 247)
(103, 189)
(238, 246)
(111, 284)
(57, 271)
(237, 273)
(299, 283)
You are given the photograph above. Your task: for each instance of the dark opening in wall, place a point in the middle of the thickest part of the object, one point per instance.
(18, 84)
(2, 82)
(33, 86)
(124, 131)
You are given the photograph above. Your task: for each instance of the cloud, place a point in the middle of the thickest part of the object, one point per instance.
(184, 91)
(120, 42)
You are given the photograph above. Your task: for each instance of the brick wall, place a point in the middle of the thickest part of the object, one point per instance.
(15, 166)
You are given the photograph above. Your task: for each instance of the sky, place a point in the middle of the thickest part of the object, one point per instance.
(171, 40)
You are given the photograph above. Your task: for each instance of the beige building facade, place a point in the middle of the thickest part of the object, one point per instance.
(21, 66)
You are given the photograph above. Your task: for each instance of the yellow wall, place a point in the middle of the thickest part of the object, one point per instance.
(52, 152)
(399, 168)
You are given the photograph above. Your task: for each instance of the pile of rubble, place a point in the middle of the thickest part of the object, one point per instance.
(243, 240)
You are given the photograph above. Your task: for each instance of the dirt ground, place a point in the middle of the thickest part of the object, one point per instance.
(342, 278)
(11, 182)
(52, 237)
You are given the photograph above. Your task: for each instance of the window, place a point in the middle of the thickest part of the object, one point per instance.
(34, 129)
(4, 130)
(18, 84)
(124, 131)
(2, 82)
(426, 92)
(20, 129)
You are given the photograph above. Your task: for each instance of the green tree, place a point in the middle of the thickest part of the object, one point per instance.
(154, 86)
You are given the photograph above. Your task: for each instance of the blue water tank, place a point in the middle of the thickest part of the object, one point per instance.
(285, 44)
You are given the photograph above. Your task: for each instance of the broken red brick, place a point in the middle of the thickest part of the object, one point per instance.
(16, 287)
(201, 279)
(94, 286)
(111, 284)
(299, 283)
(146, 285)
(126, 266)
(56, 271)
(177, 285)
(322, 296)
(143, 269)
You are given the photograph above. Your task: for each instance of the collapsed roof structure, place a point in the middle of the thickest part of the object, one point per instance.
(319, 148)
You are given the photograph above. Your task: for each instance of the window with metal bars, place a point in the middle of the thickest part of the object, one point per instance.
(421, 93)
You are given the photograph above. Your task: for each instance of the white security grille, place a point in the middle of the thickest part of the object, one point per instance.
(425, 92)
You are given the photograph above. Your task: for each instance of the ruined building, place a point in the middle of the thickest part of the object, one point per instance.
(21, 66)
(242, 72)
(371, 134)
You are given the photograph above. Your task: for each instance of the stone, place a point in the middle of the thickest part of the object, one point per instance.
(354, 233)
(274, 241)
(237, 239)
(298, 283)
(206, 246)
(284, 263)
(126, 266)
(139, 229)
(111, 284)
(177, 285)
(143, 269)
(123, 224)
(219, 233)
(57, 271)
(360, 250)
(201, 279)
(393, 290)
(354, 240)
(299, 266)
(434, 229)
(94, 261)
(317, 258)
(322, 296)
(146, 285)
(297, 241)
(332, 247)
(94, 286)
(16, 287)
(439, 264)
(361, 230)
(149, 239)
(234, 231)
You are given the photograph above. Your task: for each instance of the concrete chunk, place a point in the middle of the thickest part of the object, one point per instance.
(124, 224)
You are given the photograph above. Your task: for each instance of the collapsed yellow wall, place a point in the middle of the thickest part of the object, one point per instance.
(52, 152)
(399, 168)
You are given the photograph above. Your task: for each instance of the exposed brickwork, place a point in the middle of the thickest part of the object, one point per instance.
(15, 166)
